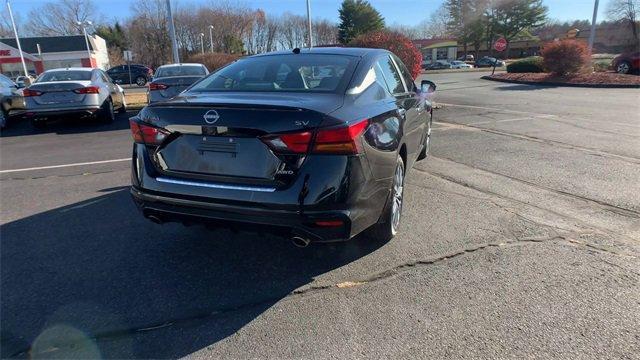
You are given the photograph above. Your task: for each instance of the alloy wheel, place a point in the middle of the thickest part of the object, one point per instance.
(396, 206)
(623, 68)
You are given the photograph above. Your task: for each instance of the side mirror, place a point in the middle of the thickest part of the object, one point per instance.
(427, 86)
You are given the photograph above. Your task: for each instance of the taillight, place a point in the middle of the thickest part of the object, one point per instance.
(339, 141)
(147, 134)
(156, 86)
(342, 140)
(29, 93)
(87, 90)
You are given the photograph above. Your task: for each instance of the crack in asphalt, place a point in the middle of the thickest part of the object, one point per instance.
(604, 205)
(590, 151)
(396, 270)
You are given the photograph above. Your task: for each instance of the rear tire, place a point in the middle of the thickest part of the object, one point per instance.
(624, 67)
(106, 113)
(427, 142)
(38, 124)
(3, 118)
(389, 223)
(123, 108)
(141, 81)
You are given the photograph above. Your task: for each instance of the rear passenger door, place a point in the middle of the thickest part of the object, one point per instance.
(406, 102)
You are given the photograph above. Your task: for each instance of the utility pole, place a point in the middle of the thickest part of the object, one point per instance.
(83, 24)
(592, 34)
(202, 42)
(309, 22)
(172, 34)
(211, 38)
(15, 32)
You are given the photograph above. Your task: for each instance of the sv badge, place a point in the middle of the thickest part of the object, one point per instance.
(301, 123)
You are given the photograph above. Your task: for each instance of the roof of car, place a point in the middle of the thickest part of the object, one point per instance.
(72, 69)
(349, 51)
(181, 64)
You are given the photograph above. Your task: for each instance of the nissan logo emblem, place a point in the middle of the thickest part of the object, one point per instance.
(211, 116)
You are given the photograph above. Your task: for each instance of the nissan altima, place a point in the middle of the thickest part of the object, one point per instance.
(73, 91)
(314, 144)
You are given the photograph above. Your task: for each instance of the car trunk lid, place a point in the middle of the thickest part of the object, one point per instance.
(59, 92)
(169, 87)
(224, 137)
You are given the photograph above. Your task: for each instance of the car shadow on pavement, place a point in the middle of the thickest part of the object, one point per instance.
(96, 279)
(22, 127)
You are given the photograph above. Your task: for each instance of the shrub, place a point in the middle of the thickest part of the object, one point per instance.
(566, 56)
(213, 61)
(602, 65)
(394, 42)
(528, 65)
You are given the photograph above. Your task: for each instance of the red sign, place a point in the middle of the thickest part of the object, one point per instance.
(500, 44)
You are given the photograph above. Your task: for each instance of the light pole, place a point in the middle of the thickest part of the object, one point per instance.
(592, 35)
(15, 32)
(211, 37)
(83, 25)
(202, 42)
(172, 34)
(309, 22)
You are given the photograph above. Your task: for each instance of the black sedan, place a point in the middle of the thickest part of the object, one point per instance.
(313, 144)
(489, 62)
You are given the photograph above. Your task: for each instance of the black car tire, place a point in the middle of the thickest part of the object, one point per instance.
(3, 118)
(141, 81)
(123, 109)
(106, 113)
(624, 67)
(426, 142)
(389, 222)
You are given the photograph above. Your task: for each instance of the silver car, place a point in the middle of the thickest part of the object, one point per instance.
(11, 101)
(171, 80)
(73, 91)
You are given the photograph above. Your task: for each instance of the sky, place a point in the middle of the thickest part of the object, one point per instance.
(405, 12)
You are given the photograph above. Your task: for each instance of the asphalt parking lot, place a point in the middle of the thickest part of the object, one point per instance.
(520, 238)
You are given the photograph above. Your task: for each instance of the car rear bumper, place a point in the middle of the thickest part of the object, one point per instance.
(51, 112)
(169, 208)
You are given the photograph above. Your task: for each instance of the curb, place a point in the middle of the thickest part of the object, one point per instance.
(445, 71)
(552, 83)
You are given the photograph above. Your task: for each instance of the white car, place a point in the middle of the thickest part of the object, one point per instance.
(456, 64)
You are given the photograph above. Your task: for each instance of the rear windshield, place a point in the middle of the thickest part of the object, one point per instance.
(274, 73)
(70, 75)
(186, 70)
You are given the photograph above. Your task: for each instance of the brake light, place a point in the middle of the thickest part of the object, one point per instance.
(156, 86)
(147, 134)
(297, 143)
(29, 93)
(87, 90)
(343, 140)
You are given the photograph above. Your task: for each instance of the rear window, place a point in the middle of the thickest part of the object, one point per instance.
(274, 73)
(70, 75)
(185, 70)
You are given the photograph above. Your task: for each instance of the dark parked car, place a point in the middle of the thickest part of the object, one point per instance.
(489, 62)
(437, 66)
(140, 74)
(170, 80)
(627, 63)
(314, 144)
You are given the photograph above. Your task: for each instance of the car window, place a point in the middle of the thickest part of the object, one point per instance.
(65, 75)
(185, 70)
(286, 72)
(391, 75)
(408, 79)
(5, 82)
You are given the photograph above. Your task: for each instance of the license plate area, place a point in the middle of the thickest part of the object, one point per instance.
(219, 155)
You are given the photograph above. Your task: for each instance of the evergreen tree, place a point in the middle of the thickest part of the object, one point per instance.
(357, 17)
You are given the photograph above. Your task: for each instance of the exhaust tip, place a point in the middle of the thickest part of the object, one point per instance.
(300, 242)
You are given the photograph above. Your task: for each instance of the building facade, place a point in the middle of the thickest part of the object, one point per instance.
(50, 52)
(443, 49)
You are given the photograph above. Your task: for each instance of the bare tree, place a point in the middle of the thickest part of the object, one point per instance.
(293, 31)
(324, 32)
(60, 17)
(148, 32)
(412, 32)
(625, 11)
(436, 25)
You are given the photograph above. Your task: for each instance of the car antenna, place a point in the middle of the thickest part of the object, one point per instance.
(296, 51)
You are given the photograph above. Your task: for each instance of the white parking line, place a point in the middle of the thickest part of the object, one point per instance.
(495, 109)
(508, 120)
(64, 165)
